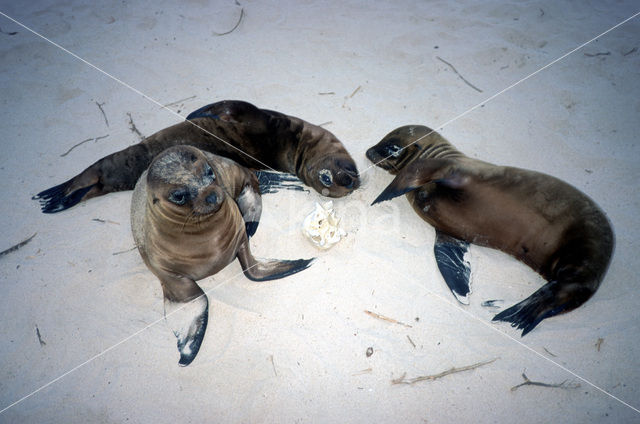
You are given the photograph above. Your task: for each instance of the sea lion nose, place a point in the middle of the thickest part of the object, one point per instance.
(212, 199)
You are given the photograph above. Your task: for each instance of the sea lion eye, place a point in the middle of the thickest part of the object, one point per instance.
(326, 177)
(208, 172)
(179, 197)
(393, 150)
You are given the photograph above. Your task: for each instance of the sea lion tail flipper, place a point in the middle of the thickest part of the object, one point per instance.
(272, 182)
(449, 252)
(269, 269)
(187, 318)
(551, 299)
(415, 175)
(61, 197)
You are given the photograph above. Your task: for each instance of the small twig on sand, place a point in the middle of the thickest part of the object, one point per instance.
(106, 121)
(8, 33)
(458, 74)
(105, 221)
(95, 139)
(382, 317)
(633, 50)
(325, 123)
(597, 54)
(411, 341)
(599, 343)
(124, 251)
(403, 380)
(133, 128)
(367, 371)
(179, 101)
(42, 342)
(547, 350)
(236, 26)
(327, 93)
(355, 91)
(17, 246)
(528, 382)
(273, 365)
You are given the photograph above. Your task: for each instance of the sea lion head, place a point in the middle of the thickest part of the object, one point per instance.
(183, 182)
(333, 175)
(400, 147)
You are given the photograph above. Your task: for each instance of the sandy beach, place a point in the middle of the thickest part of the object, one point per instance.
(83, 339)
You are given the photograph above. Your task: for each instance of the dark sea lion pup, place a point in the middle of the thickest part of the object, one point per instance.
(540, 220)
(255, 138)
(189, 216)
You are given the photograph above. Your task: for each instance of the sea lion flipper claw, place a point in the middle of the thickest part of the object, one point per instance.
(449, 252)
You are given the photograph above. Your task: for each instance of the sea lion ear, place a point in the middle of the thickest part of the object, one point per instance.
(326, 177)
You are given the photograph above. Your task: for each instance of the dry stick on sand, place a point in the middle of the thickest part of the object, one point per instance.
(133, 127)
(179, 101)
(325, 123)
(42, 342)
(327, 93)
(124, 251)
(403, 380)
(458, 74)
(17, 246)
(273, 365)
(547, 350)
(528, 382)
(411, 341)
(106, 121)
(236, 26)
(8, 33)
(382, 317)
(597, 54)
(95, 139)
(633, 50)
(599, 343)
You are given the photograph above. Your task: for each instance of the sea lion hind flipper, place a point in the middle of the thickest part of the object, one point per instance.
(268, 269)
(449, 253)
(187, 318)
(58, 198)
(272, 182)
(550, 300)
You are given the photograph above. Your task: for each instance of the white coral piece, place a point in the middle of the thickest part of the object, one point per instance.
(322, 226)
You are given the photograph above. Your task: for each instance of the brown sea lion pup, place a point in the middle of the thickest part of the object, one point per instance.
(540, 220)
(188, 217)
(255, 138)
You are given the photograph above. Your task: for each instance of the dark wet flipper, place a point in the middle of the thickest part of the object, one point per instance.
(188, 321)
(268, 269)
(56, 199)
(544, 303)
(272, 182)
(449, 252)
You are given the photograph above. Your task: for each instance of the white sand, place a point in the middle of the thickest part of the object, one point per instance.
(293, 350)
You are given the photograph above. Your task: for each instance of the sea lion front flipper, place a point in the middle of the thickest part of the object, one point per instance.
(268, 269)
(449, 252)
(186, 309)
(272, 182)
(417, 174)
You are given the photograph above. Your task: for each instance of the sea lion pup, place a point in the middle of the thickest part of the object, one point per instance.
(540, 220)
(255, 138)
(188, 217)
